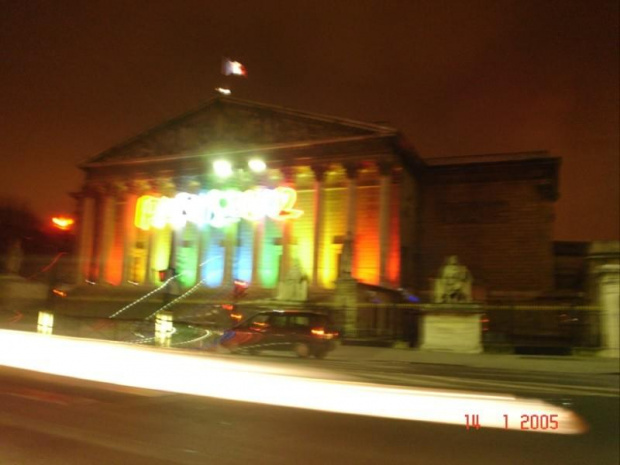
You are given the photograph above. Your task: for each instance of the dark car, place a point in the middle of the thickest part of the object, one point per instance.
(305, 333)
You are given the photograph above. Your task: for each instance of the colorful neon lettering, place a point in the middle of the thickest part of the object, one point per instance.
(216, 208)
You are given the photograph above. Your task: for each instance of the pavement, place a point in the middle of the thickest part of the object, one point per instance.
(590, 364)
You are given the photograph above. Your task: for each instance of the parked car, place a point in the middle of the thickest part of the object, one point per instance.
(305, 333)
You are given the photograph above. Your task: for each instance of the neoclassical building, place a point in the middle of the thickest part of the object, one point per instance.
(169, 198)
(242, 190)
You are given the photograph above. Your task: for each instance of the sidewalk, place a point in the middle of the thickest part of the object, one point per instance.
(542, 363)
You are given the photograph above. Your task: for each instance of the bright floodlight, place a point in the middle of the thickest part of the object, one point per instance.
(257, 165)
(222, 168)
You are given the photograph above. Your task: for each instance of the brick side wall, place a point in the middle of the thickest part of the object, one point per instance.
(500, 226)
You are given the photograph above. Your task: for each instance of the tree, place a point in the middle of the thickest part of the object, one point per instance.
(18, 225)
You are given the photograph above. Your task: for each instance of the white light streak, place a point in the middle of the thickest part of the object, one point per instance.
(161, 287)
(167, 370)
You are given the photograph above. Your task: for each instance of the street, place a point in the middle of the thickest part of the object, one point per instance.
(52, 420)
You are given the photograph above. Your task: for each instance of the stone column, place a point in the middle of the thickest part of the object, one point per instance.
(106, 231)
(168, 187)
(352, 171)
(385, 179)
(230, 243)
(198, 185)
(130, 197)
(288, 174)
(147, 187)
(609, 291)
(319, 214)
(257, 248)
(86, 226)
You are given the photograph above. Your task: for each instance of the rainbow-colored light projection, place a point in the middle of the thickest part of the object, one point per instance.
(238, 234)
(187, 254)
(213, 271)
(393, 269)
(138, 256)
(269, 268)
(114, 265)
(333, 226)
(160, 252)
(303, 232)
(218, 211)
(367, 235)
(203, 252)
(242, 264)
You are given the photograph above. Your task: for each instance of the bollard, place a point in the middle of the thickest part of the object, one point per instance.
(163, 328)
(45, 323)
(609, 292)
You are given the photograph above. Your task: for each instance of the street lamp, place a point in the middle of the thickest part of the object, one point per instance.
(257, 165)
(222, 168)
(63, 223)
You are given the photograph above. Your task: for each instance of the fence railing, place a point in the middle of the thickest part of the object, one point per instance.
(501, 325)
(514, 325)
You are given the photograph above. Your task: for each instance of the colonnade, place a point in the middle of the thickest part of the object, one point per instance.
(113, 250)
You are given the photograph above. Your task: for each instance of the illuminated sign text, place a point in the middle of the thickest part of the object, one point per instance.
(216, 207)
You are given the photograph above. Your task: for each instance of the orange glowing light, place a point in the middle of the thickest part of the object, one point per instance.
(320, 332)
(63, 223)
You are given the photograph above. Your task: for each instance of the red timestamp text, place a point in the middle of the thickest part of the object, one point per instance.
(536, 422)
(526, 422)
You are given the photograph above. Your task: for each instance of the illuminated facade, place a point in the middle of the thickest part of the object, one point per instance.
(161, 200)
(241, 190)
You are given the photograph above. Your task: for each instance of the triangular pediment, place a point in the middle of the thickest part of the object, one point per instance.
(224, 124)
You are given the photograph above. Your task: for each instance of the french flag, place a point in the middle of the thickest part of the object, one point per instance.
(233, 67)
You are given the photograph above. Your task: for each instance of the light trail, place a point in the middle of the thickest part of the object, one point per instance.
(160, 288)
(179, 372)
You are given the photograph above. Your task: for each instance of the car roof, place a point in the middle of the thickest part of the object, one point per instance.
(292, 312)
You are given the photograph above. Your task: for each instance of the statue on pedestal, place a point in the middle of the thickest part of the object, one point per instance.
(345, 269)
(294, 287)
(346, 295)
(454, 282)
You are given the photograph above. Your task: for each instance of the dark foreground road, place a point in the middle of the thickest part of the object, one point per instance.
(48, 420)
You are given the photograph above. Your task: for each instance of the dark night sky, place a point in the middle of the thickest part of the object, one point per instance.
(457, 77)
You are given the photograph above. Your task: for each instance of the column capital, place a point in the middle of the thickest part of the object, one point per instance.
(288, 173)
(352, 169)
(319, 172)
(188, 183)
(80, 195)
(385, 167)
(164, 185)
(118, 189)
(88, 190)
(138, 187)
(98, 189)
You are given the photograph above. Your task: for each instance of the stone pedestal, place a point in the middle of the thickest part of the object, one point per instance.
(18, 294)
(609, 292)
(451, 328)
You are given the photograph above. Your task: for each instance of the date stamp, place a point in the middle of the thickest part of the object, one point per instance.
(527, 422)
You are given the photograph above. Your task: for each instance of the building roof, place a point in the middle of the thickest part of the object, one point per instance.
(228, 125)
(490, 158)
